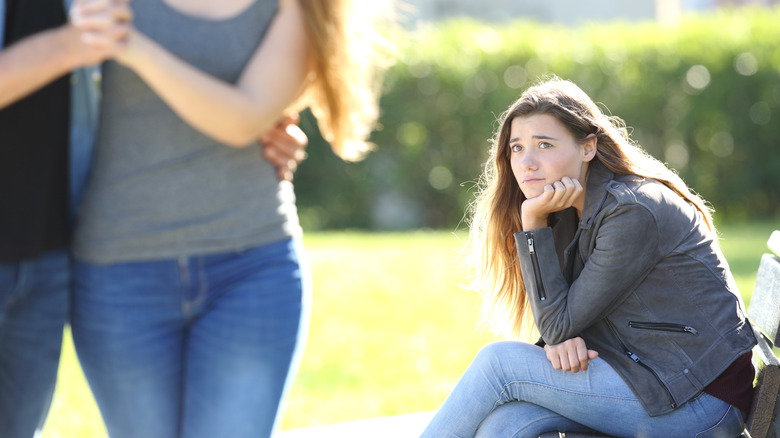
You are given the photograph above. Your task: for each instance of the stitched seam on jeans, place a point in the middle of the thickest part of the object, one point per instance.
(504, 392)
(517, 434)
(716, 425)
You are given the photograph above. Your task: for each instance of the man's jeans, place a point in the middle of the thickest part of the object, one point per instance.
(512, 390)
(33, 310)
(192, 347)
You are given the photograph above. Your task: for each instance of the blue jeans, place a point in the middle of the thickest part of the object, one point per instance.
(33, 310)
(196, 347)
(512, 390)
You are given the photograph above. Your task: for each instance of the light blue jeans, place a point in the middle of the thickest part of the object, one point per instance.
(198, 347)
(34, 297)
(511, 390)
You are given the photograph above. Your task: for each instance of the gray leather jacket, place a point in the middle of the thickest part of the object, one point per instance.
(642, 281)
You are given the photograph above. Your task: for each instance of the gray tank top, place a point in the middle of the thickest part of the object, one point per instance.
(159, 188)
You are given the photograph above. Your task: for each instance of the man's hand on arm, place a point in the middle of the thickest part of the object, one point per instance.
(284, 146)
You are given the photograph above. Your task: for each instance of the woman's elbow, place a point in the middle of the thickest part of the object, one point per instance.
(236, 141)
(238, 135)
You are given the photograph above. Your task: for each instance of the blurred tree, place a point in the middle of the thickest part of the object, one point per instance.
(703, 96)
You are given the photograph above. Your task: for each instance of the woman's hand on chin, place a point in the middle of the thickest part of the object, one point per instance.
(557, 196)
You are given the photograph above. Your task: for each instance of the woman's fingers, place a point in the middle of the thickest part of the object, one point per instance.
(557, 196)
(570, 355)
(122, 13)
(88, 6)
(553, 356)
(558, 355)
(582, 355)
(576, 355)
(285, 146)
(91, 14)
(99, 15)
(565, 192)
(105, 24)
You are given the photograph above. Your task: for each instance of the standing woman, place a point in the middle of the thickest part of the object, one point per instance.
(582, 236)
(192, 293)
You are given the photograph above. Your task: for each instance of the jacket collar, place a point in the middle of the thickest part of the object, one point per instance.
(595, 194)
(566, 230)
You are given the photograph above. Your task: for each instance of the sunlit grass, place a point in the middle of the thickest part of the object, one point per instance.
(74, 413)
(391, 329)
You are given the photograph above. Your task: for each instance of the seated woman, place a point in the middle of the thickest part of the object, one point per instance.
(582, 236)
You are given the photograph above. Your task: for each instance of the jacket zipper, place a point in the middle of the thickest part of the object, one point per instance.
(636, 359)
(663, 326)
(537, 272)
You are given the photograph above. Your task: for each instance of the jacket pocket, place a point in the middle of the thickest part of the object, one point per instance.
(628, 352)
(537, 270)
(664, 327)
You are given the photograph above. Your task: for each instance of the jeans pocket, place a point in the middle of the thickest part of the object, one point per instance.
(729, 426)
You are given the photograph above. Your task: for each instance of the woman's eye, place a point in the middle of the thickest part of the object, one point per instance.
(544, 145)
(516, 148)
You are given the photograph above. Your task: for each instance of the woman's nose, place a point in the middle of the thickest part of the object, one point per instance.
(528, 160)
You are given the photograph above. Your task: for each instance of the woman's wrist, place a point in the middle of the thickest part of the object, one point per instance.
(533, 223)
(136, 48)
(72, 53)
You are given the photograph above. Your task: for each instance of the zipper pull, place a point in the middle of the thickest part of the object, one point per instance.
(531, 244)
(691, 330)
(633, 356)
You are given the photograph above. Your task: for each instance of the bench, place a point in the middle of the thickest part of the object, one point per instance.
(764, 315)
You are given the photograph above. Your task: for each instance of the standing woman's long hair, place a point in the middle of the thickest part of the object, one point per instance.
(496, 209)
(349, 53)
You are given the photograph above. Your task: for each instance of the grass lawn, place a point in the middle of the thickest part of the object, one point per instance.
(391, 328)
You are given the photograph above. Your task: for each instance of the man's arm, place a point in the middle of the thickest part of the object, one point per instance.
(35, 61)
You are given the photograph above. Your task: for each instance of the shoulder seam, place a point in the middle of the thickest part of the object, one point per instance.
(621, 192)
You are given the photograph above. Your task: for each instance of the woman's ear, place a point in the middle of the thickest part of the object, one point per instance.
(589, 147)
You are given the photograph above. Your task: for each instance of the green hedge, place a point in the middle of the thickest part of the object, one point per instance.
(703, 96)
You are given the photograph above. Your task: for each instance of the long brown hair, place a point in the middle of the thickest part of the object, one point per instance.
(496, 209)
(347, 57)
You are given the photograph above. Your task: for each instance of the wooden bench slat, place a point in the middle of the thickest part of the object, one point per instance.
(764, 310)
(760, 421)
(774, 242)
(764, 315)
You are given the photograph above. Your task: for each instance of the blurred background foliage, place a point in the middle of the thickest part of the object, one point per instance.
(703, 96)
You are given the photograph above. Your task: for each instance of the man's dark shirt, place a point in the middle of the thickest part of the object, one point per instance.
(34, 149)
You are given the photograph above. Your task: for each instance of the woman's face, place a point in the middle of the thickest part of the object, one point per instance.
(543, 151)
